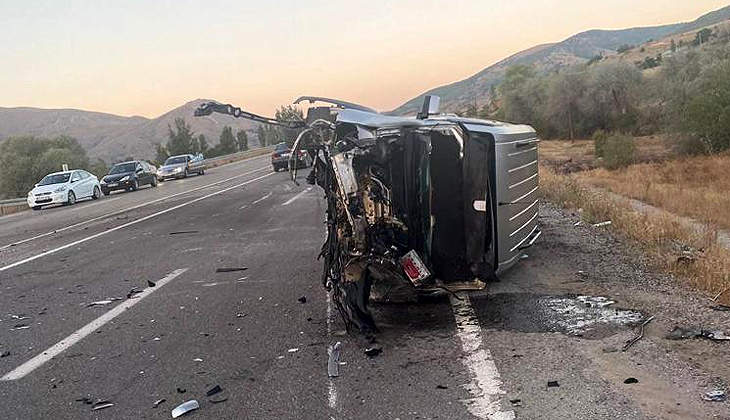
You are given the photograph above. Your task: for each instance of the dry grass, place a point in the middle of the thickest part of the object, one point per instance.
(579, 155)
(661, 235)
(697, 187)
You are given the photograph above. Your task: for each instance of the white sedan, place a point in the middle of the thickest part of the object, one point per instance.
(64, 188)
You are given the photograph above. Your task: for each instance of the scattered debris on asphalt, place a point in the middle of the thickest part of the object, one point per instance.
(132, 293)
(102, 404)
(181, 390)
(103, 302)
(150, 283)
(18, 317)
(720, 307)
(20, 327)
(216, 389)
(631, 342)
(183, 232)
(218, 399)
(4, 354)
(601, 224)
(240, 315)
(553, 384)
(681, 333)
(158, 402)
(516, 402)
(717, 395)
(293, 350)
(333, 365)
(229, 269)
(197, 359)
(631, 381)
(85, 400)
(441, 386)
(185, 408)
(373, 351)
(302, 299)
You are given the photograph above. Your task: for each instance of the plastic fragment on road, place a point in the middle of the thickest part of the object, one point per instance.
(185, 407)
(601, 224)
(181, 390)
(20, 327)
(632, 341)
(681, 333)
(158, 402)
(293, 350)
(100, 405)
(132, 293)
(197, 359)
(302, 299)
(631, 381)
(216, 389)
(717, 395)
(150, 283)
(4, 354)
(333, 365)
(553, 384)
(218, 400)
(183, 232)
(229, 269)
(103, 302)
(414, 268)
(373, 351)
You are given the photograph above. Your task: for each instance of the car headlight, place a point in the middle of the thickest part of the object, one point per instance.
(30, 194)
(125, 178)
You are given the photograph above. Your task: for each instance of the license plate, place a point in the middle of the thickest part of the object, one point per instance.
(414, 268)
(113, 184)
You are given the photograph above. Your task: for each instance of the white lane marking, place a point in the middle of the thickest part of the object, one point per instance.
(262, 198)
(486, 385)
(332, 389)
(127, 209)
(243, 207)
(87, 329)
(291, 200)
(133, 222)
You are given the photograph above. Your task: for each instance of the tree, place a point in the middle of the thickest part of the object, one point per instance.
(288, 135)
(161, 154)
(25, 160)
(673, 46)
(180, 139)
(261, 135)
(242, 141)
(227, 143)
(612, 94)
(203, 146)
(624, 48)
(706, 113)
(702, 36)
(470, 110)
(565, 92)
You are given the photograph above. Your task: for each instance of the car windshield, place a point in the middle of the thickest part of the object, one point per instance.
(122, 168)
(175, 160)
(281, 147)
(55, 179)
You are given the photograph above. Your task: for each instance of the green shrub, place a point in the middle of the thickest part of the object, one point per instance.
(618, 151)
(599, 142)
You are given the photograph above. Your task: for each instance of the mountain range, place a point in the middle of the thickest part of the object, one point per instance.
(113, 137)
(545, 58)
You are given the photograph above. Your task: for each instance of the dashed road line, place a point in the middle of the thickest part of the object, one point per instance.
(293, 199)
(486, 385)
(87, 329)
(263, 198)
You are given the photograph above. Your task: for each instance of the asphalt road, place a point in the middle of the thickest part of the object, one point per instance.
(489, 354)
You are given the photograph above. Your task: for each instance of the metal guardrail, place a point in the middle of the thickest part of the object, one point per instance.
(15, 205)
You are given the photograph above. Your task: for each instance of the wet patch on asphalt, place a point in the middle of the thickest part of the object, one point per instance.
(592, 317)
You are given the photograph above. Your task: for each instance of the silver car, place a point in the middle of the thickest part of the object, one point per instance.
(181, 166)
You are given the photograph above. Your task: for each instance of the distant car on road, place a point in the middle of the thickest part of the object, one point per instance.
(181, 166)
(281, 155)
(129, 176)
(64, 188)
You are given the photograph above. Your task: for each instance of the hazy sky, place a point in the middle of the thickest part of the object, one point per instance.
(144, 57)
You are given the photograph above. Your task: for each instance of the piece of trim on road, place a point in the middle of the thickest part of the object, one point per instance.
(486, 385)
(133, 222)
(87, 329)
(291, 200)
(157, 200)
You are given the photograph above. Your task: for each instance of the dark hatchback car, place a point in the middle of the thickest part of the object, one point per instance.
(281, 155)
(129, 176)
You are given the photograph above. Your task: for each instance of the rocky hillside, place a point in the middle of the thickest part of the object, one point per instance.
(112, 137)
(549, 57)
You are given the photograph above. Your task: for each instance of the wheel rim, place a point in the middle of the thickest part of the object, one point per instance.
(71, 197)
(97, 193)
